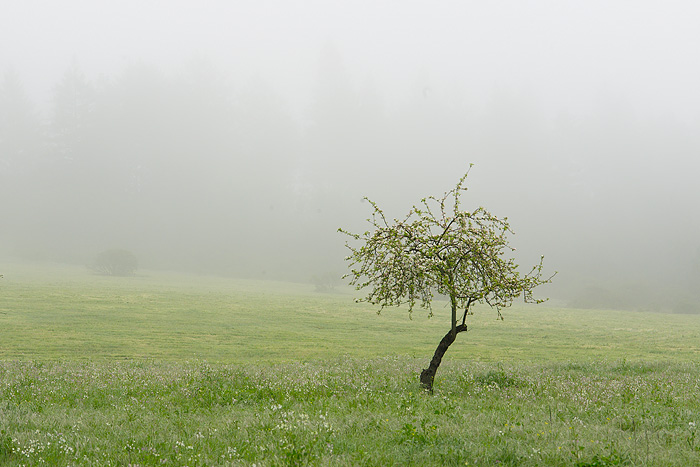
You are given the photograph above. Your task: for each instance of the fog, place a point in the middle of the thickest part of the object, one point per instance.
(236, 137)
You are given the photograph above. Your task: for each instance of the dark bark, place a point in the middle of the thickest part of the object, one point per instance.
(428, 375)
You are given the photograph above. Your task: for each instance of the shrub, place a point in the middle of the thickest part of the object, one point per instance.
(326, 282)
(115, 262)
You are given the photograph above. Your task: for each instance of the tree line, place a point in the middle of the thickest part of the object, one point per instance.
(196, 170)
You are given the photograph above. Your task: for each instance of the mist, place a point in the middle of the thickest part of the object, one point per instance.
(236, 137)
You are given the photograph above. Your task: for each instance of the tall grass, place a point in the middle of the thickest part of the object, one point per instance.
(348, 412)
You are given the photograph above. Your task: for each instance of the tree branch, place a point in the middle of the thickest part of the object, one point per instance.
(466, 311)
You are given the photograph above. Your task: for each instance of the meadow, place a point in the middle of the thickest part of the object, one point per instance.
(171, 369)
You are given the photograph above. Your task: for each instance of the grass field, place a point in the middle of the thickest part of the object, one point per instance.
(168, 369)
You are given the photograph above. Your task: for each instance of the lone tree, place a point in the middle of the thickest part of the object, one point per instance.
(440, 248)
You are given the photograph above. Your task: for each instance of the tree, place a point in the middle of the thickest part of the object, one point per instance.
(72, 117)
(115, 262)
(20, 129)
(438, 248)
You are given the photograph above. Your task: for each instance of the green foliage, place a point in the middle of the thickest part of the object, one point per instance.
(115, 262)
(439, 248)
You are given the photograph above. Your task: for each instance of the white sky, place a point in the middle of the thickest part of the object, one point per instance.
(562, 53)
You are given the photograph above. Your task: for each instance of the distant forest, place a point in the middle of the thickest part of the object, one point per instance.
(191, 172)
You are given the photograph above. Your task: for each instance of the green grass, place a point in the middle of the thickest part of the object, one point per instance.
(166, 369)
(67, 313)
(348, 412)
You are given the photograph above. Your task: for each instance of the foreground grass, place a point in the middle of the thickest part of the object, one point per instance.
(182, 370)
(348, 412)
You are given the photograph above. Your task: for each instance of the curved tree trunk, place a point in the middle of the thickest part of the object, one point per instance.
(428, 375)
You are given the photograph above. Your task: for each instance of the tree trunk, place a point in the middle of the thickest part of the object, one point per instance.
(428, 375)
